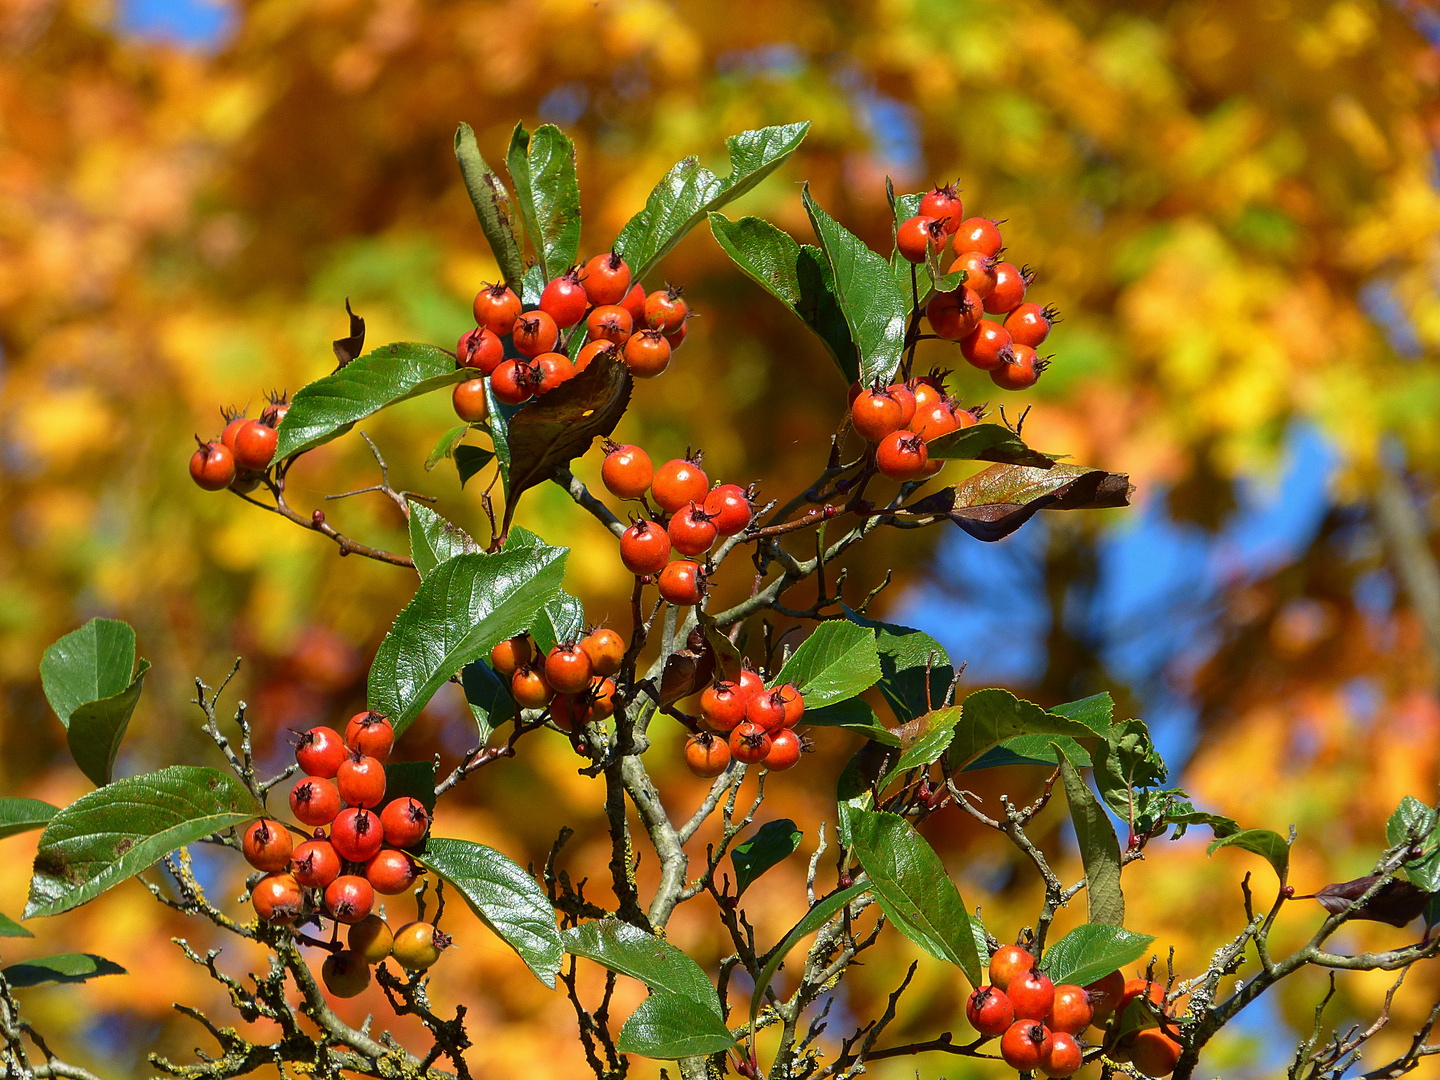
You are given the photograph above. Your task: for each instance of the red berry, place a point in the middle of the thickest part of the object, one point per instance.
(1009, 291)
(592, 349)
(692, 532)
(606, 280)
(1029, 324)
(529, 688)
(906, 397)
(1105, 994)
(935, 420)
(511, 382)
(784, 752)
(1071, 1011)
(729, 507)
(213, 465)
(276, 406)
(480, 348)
(627, 471)
(902, 456)
(1154, 1053)
(986, 347)
(315, 864)
(370, 733)
(1024, 1045)
(361, 780)
(634, 304)
(1063, 1057)
(766, 710)
(1032, 994)
(644, 548)
(665, 311)
(391, 872)
(676, 338)
(496, 309)
(678, 483)
(349, 898)
(1008, 962)
(876, 413)
(357, 834)
(404, 821)
(469, 401)
(955, 314)
(979, 272)
(647, 354)
(510, 654)
(233, 423)
(1021, 371)
(555, 368)
(267, 846)
(255, 445)
(929, 389)
(707, 755)
(682, 583)
(567, 669)
(989, 1011)
(915, 233)
(977, 234)
(278, 899)
(610, 323)
(749, 743)
(943, 204)
(606, 650)
(535, 333)
(320, 752)
(794, 704)
(564, 299)
(723, 705)
(314, 801)
(750, 683)
(1135, 988)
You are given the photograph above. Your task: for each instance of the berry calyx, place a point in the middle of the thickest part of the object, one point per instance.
(1009, 290)
(315, 863)
(935, 420)
(784, 752)
(692, 531)
(682, 583)
(1024, 1045)
(234, 421)
(277, 899)
(564, 299)
(876, 413)
(706, 755)
(794, 703)
(977, 234)
(606, 279)
(1029, 324)
(647, 354)
(357, 834)
(481, 349)
(370, 733)
(730, 508)
(405, 821)
(469, 401)
(267, 846)
(510, 655)
(535, 333)
(943, 204)
(606, 650)
(989, 1011)
(666, 311)
(418, 945)
(723, 705)
(212, 466)
(370, 939)
(610, 322)
(749, 743)
(361, 780)
(644, 548)
(679, 482)
(320, 751)
(349, 898)
(568, 669)
(346, 974)
(496, 309)
(391, 872)
(902, 456)
(987, 346)
(529, 688)
(314, 801)
(1008, 962)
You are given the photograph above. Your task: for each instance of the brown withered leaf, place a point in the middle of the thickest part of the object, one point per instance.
(996, 501)
(689, 669)
(348, 348)
(1397, 902)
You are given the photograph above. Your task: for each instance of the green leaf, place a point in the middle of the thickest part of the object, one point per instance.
(114, 833)
(410, 779)
(905, 657)
(433, 539)
(329, 407)
(670, 1027)
(835, 662)
(548, 193)
(923, 741)
(852, 715)
(1099, 849)
(562, 619)
(1126, 764)
(446, 446)
(12, 929)
(1415, 822)
(1270, 846)
(810, 922)
(88, 664)
(469, 460)
(19, 815)
(797, 275)
(96, 729)
(988, 442)
(990, 717)
(689, 191)
(1031, 750)
(492, 205)
(1092, 951)
(874, 306)
(772, 843)
(912, 888)
(996, 501)
(64, 968)
(1094, 712)
(902, 209)
(488, 696)
(631, 951)
(462, 609)
(500, 417)
(506, 899)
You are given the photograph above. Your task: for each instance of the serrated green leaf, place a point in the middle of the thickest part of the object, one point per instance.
(772, 843)
(923, 743)
(835, 662)
(93, 662)
(505, 898)
(689, 191)
(65, 968)
(852, 715)
(329, 407)
(1126, 765)
(669, 1027)
(1031, 750)
(19, 815)
(464, 607)
(1099, 849)
(912, 888)
(874, 307)
(798, 276)
(542, 167)
(469, 460)
(433, 539)
(1270, 846)
(446, 446)
(810, 922)
(1417, 823)
(96, 729)
(991, 717)
(1095, 712)
(488, 696)
(1091, 951)
(987, 442)
(410, 779)
(114, 833)
(631, 951)
(906, 655)
(492, 205)
(12, 929)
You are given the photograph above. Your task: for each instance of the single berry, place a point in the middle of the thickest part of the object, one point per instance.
(750, 683)
(357, 834)
(510, 655)
(766, 710)
(370, 733)
(1071, 1011)
(634, 304)
(979, 272)
(418, 945)
(644, 548)
(535, 333)
(314, 801)
(267, 846)
(1009, 291)
(481, 349)
(647, 354)
(469, 401)
(784, 752)
(277, 405)
(345, 973)
(405, 821)
(723, 705)
(610, 323)
(930, 389)
(1025, 1044)
(592, 349)
(529, 688)
(1008, 962)
(234, 421)
(989, 1011)
(679, 482)
(676, 338)
(749, 743)
(278, 899)
(794, 703)
(315, 864)
(349, 898)
(943, 204)
(915, 234)
(361, 780)
(902, 456)
(606, 650)
(1021, 371)
(730, 508)
(935, 420)
(606, 279)
(953, 315)
(682, 583)
(1029, 324)
(977, 234)
(511, 383)
(1154, 1053)
(1032, 994)
(496, 309)
(665, 311)
(692, 532)
(320, 751)
(1105, 994)
(1063, 1057)
(602, 698)
(255, 445)
(707, 755)
(875, 414)
(212, 466)
(564, 299)
(1137, 988)
(568, 668)
(626, 471)
(902, 393)
(370, 939)
(987, 346)
(555, 368)
(391, 872)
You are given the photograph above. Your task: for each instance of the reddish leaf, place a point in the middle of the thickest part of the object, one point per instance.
(1396, 902)
(348, 348)
(996, 501)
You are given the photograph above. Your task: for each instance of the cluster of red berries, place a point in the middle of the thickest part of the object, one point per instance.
(573, 678)
(994, 287)
(1037, 1022)
(690, 517)
(242, 453)
(903, 418)
(620, 321)
(338, 873)
(749, 722)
